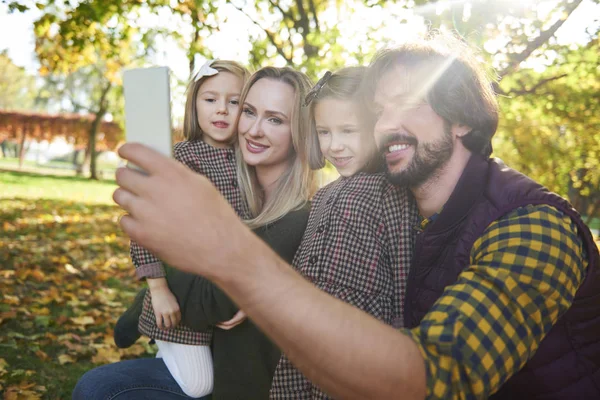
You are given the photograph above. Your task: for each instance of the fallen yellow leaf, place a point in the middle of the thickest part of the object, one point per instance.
(38, 275)
(13, 300)
(65, 359)
(86, 320)
(3, 365)
(71, 269)
(106, 355)
(41, 311)
(42, 356)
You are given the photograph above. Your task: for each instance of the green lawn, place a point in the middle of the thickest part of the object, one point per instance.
(56, 164)
(65, 278)
(595, 224)
(33, 186)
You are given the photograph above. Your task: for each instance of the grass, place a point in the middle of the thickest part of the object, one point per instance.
(56, 164)
(595, 224)
(29, 185)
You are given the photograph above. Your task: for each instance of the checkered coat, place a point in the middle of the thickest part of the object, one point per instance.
(218, 165)
(357, 247)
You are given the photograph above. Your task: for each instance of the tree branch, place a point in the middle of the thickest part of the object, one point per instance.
(543, 37)
(103, 95)
(286, 14)
(531, 90)
(269, 34)
(313, 10)
(309, 49)
(303, 21)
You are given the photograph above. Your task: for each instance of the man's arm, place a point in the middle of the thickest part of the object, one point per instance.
(524, 272)
(185, 221)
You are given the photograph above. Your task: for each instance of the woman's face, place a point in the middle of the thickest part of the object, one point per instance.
(264, 128)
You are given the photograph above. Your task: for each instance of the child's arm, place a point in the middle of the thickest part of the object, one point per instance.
(164, 303)
(147, 265)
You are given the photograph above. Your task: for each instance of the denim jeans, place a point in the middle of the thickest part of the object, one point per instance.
(143, 378)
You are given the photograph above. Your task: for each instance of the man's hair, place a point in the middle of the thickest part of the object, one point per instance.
(449, 77)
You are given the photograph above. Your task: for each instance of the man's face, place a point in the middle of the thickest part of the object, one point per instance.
(415, 141)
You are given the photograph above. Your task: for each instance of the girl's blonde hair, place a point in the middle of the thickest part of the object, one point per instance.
(342, 85)
(191, 127)
(297, 184)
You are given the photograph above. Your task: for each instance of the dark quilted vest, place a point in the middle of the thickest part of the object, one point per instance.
(567, 363)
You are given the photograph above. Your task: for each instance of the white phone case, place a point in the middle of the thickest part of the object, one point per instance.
(148, 108)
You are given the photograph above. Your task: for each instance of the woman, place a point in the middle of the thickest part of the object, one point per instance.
(276, 182)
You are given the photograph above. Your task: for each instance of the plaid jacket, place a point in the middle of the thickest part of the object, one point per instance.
(357, 247)
(218, 165)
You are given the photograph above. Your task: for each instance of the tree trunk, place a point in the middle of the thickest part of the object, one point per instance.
(92, 145)
(22, 146)
(91, 149)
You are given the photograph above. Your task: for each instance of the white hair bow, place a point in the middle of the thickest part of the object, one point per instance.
(205, 70)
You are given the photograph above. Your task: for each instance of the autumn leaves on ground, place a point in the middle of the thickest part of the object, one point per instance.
(65, 277)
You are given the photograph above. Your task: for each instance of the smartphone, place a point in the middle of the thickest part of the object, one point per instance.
(148, 108)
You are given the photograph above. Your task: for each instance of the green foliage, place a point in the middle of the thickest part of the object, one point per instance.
(17, 87)
(551, 132)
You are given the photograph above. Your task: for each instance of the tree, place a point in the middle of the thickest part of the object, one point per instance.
(93, 41)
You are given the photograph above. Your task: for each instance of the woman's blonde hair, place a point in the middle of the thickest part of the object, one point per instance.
(191, 127)
(297, 184)
(343, 85)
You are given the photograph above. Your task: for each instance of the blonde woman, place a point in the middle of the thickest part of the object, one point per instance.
(276, 182)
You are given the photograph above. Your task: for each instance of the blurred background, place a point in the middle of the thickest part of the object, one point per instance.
(65, 274)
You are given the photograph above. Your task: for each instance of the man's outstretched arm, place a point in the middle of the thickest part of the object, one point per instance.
(180, 217)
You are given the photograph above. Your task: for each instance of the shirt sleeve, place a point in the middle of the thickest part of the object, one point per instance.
(147, 265)
(523, 276)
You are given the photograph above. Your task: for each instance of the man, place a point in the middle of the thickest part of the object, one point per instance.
(504, 292)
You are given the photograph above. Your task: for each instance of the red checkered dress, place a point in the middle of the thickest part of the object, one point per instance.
(357, 247)
(218, 165)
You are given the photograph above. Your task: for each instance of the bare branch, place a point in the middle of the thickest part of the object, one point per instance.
(269, 34)
(313, 10)
(285, 14)
(303, 21)
(543, 37)
(532, 89)
(309, 49)
(103, 99)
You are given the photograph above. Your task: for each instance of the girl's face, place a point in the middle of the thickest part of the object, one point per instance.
(217, 107)
(342, 140)
(264, 129)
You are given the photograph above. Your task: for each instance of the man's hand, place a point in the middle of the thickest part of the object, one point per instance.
(164, 303)
(179, 215)
(237, 319)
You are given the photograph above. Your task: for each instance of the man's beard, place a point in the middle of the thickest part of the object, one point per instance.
(427, 160)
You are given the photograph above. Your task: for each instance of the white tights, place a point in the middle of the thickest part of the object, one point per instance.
(190, 366)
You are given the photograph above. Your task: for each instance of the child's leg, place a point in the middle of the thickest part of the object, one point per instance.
(190, 366)
(126, 329)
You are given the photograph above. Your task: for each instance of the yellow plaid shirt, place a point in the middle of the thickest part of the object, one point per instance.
(524, 273)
